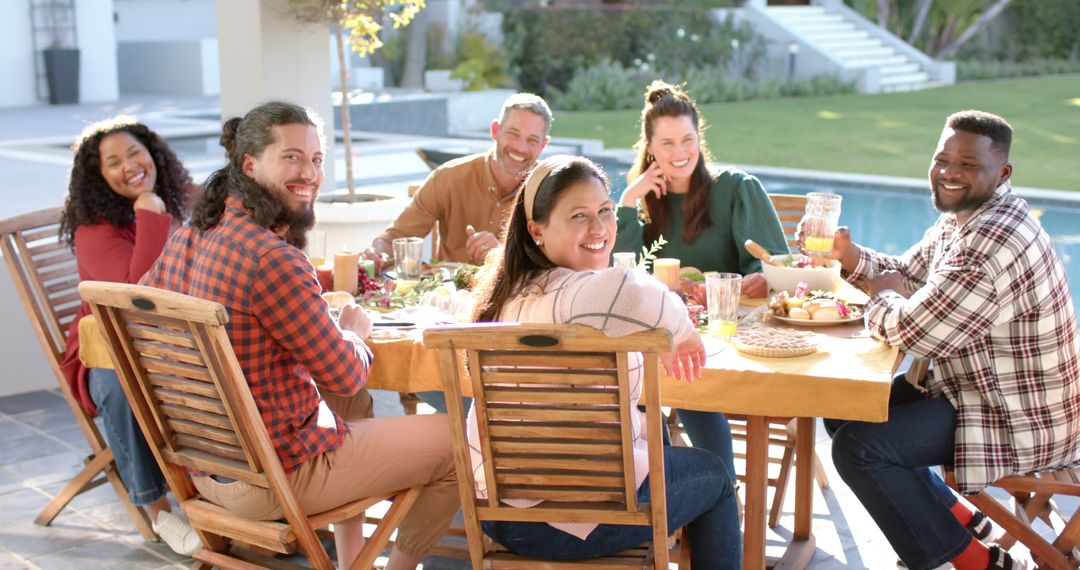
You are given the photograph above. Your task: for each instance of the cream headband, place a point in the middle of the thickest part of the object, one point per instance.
(536, 178)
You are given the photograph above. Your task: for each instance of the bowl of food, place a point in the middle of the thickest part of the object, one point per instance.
(797, 268)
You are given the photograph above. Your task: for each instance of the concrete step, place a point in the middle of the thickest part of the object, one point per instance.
(895, 59)
(833, 40)
(902, 78)
(904, 87)
(862, 53)
(831, 28)
(785, 10)
(901, 69)
(833, 44)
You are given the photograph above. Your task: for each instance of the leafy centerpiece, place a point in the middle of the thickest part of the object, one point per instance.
(385, 293)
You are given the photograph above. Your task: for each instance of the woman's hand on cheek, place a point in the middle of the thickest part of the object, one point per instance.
(652, 180)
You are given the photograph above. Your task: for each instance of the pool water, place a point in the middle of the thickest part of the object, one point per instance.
(892, 220)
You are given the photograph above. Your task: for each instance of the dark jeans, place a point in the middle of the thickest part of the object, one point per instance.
(134, 461)
(712, 432)
(700, 496)
(888, 464)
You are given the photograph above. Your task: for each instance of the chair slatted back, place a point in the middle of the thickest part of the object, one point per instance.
(189, 394)
(790, 209)
(553, 416)
(196, 410)
(46, 277)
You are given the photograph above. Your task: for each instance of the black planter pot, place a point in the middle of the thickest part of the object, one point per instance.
(62, 75)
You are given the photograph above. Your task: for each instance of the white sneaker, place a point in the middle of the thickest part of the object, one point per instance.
(177, 533)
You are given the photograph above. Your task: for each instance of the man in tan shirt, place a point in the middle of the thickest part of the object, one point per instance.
(472, 196)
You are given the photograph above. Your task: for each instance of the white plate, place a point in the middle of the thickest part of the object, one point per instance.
(813, 323)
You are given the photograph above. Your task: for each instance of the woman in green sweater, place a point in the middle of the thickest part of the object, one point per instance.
(704, 215)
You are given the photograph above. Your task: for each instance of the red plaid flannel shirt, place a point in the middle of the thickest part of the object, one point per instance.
(280, 327)
(990, 305)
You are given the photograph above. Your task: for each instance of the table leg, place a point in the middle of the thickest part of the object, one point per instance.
(757, 475)
(801, 548)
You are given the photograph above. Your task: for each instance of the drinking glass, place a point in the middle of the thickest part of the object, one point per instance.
(316, 247)
(820, 221)
(627, 259)
(722, 291)
(407, 253)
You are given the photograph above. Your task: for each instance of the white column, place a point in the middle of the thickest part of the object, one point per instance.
(265, 54)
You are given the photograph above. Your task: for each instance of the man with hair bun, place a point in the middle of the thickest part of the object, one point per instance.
(307, 373)
(984, 296)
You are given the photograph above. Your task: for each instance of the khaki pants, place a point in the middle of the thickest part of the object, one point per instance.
(379, 456)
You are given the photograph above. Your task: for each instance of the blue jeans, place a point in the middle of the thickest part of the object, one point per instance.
(712, 432)
(700, 496)
(134, 461)
(888, 464)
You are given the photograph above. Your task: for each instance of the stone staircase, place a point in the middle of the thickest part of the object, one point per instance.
(839, 40)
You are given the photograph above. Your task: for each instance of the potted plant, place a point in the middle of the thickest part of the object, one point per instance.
(352, 220)
(61, 55)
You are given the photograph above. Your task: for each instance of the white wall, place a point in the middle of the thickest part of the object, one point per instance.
(174, 67)
(16, 57)
(25, 366)
(97, 45)
(266, 55)
(165, 20)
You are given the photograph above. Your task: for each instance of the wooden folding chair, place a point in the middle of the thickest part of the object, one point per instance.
(553, 412)
(45, 276)
(1032, 501)
(1032, 496)
(187, 389)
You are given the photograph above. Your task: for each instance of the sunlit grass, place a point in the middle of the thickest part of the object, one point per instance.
(890, 134)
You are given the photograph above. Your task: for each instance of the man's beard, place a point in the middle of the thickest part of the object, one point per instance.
(967, 203)
(298, 222)
(272, 212)
(503, 161)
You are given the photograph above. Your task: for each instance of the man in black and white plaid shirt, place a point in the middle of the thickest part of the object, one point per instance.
(984, 296)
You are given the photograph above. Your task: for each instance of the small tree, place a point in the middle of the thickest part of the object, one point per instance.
(362, 19)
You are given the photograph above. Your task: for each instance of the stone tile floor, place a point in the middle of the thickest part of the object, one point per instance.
(41, 448)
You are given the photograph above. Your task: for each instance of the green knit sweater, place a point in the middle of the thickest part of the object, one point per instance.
(739, 210)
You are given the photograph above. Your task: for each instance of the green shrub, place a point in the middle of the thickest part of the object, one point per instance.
(482, 64)
(548, 47)
(605, 86)
(992, 69)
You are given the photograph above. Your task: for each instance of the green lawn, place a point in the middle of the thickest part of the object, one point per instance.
(891, 134)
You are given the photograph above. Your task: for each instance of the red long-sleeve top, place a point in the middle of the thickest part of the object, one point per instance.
(105, 252)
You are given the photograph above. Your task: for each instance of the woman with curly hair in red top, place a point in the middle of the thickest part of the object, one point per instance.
(126, 193)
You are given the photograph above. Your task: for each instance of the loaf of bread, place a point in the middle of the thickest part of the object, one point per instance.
(798, 313)
(822, 310)
(338, 299)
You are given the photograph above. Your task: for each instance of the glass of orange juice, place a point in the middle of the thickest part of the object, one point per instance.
(722, 291)
(820, 221)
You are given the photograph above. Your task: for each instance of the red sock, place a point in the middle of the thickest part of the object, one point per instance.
(962, 513)
(975, 557)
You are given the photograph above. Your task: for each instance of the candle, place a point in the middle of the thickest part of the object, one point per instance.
(345, 268)
(369, 267)
(666, 269)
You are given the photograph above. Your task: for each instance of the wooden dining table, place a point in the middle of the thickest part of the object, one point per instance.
(849, 377)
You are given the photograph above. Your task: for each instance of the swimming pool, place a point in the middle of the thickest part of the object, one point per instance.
(890, 220)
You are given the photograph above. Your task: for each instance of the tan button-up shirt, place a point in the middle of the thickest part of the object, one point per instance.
(459, 193)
